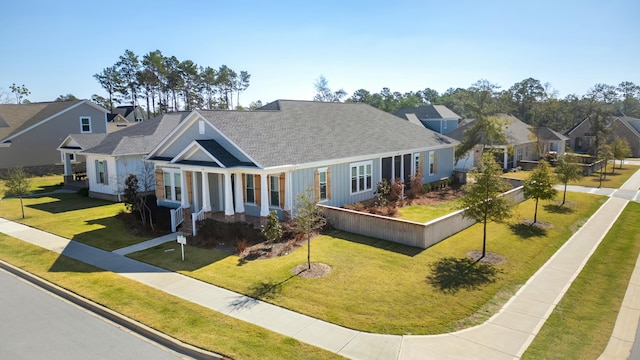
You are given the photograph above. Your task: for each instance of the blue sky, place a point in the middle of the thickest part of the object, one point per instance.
(55, 47)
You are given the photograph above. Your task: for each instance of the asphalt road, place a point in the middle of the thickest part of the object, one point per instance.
(35, 324)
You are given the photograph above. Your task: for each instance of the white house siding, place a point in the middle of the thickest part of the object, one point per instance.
(102, 191)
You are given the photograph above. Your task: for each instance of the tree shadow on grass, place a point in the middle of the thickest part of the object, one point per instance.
(526, 231)
(263, 290)
(451, 274)
(558, 209)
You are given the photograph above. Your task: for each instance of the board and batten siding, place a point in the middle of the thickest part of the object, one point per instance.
(444, 158)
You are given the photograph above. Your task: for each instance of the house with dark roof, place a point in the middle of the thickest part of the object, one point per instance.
(435, 117)
(582, 138)
(128, 112)
(110, 158)
(30, 133)
(251, 162)
(523, 143)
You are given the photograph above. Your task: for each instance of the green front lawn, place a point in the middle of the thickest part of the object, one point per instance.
(86, 220)
(613, 180)
(379, 286)
(39, 184)
(582, 323)
(426, 213)
(181, 319)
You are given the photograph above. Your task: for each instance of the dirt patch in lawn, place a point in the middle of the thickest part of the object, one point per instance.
(317, 270)
(489, 257)
(542, 225)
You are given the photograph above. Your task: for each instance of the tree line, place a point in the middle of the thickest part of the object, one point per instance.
(167, 84)
(531, 101)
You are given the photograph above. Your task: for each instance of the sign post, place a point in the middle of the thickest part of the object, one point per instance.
(182, 240)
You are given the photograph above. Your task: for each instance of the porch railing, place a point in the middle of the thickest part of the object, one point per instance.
(195, 218)
(176, 218)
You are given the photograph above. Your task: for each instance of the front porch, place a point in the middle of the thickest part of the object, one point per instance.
(222, 195)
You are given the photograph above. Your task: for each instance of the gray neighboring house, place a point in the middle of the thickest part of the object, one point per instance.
(520, 145)
(129, 113)
(251, 162)
(110, 158)
(435, 117)
(30, 133)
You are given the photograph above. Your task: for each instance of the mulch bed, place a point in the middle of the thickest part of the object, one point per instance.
(543, 225)
(317, 270)
(489, 258)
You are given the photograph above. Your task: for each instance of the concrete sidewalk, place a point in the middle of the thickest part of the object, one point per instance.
(505, 336)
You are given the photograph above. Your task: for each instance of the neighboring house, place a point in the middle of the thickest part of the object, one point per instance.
(520, 145)
(582, 140)
(129, 113)
(30, 133)
(435, 117)
(117, 122)
(110, 158)
(628, 128)
(251, 162)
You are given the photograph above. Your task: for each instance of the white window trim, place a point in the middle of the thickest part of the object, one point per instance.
(82, 125)
(326, 183)
(105, 167)
(432, 157)
(246, 187)
(72, 157)
(201, 127)
(416, 163)
(357, 166)
(277, 177)
(173, 173)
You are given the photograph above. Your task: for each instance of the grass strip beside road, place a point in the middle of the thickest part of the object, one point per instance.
(583, 321)
(613, 180)
(178, 318)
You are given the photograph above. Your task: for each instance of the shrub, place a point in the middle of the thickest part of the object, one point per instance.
(415, 187)
(396, 190)
(383, 189)
(241, 245)
(211, 233)
(272, 231)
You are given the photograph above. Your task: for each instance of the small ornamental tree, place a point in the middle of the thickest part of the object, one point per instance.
(17, 184)
(482, 200)
(567, 170)
(539, 185)
(308, 218)
(605, 153)
(621, 150)
(272, 231)
(136, 201)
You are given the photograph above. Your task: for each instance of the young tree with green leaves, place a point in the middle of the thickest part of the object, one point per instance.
(605, 153)
(539, 185)
(17, 183)
(482, 200)
(272, 231)
(621, 150)
(308, 218)
(567, 170)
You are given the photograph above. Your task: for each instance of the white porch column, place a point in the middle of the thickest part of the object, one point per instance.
(288, 192)
(228, 195)
(238, 193)
(264, 195)
(67, 163)
(506, 158)
(206, 198)
(183, 189)
(196, 193)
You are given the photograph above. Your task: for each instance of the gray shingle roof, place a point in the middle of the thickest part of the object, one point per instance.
(138, 139)
(288, 132)
(87, 141)
(17, 117)
(428, 112)
(545, 133)
(516, 131)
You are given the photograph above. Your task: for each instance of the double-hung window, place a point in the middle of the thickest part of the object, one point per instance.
(361, 177)
(250, 190)
(433, 162)
(322, 184)
(101, 172)
(172, 185)
(274, 191)
(85, 124)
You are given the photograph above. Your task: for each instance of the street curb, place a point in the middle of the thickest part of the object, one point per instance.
(128, 323)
